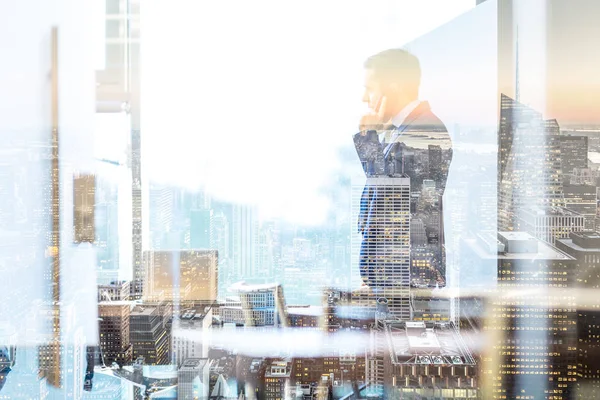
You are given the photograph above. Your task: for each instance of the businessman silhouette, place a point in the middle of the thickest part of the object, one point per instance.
(404, 142)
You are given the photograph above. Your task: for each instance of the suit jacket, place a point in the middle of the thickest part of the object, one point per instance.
(420, 150)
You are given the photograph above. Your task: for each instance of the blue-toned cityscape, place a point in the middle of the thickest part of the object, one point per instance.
(258, 200)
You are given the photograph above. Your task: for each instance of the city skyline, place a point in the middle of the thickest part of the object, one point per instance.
(194, 203)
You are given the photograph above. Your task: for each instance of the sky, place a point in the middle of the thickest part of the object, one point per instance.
(253, 100)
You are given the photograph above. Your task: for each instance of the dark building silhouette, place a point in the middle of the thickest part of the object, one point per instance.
(574, 153)
(585, 248)
(149, 334)
(532, 348)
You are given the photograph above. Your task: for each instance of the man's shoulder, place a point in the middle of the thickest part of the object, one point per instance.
(428, 120)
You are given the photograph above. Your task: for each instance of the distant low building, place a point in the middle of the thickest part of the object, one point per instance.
(263, 305)
(304, 316)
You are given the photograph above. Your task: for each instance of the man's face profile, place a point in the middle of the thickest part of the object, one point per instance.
(373, 92)
(376, 89)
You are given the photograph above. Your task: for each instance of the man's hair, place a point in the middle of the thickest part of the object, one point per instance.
(396, 66)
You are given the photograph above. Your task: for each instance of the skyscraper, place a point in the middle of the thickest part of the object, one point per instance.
(550, 223)
(114, 310)
(390, 256)
(115, 340)
(581, 198)
(532, 324)
(278, 382)
(113, 228)
(585, 248)
(220, 240)
(84, 193)
(201, 226)
(161, 200)
(148, 333)
(574, 153)
(529, 163)
(435, 161)
(190, 333)
(242, 240)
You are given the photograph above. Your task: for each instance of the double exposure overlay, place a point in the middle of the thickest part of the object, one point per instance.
(300, 200)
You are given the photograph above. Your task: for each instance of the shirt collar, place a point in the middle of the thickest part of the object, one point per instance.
(399, 119)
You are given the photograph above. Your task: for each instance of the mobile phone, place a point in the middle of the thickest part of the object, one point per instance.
(379, 104)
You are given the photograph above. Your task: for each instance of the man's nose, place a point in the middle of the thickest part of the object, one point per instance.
(365, 97)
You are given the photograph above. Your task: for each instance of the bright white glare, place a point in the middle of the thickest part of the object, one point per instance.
(253, 99)
(99, 29)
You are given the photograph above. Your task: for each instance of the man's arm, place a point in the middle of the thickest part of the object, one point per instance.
(370, 152)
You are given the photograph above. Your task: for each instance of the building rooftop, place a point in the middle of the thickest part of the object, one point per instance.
(143, 310)
(117, 303)
(279, 369)
(516, 235)
(544, 251)
(585, 241)
(244, 287)
(550, 211)
(193, 363)
(417, 342)
(305, 310)
(196, 313)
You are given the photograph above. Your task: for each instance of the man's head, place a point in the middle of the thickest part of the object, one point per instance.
(395, 74)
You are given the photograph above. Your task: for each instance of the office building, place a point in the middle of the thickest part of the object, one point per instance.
(191, 332)
(149, 334)
(181, 275)
(304, 316)
(278, 382)
(550, 223)
(201, 228)
(573, 153)
(529, 170)
(160, 206)
(263, 305)
(436, 165)
(536, 357)
(430, 305)
(113, 223)
(220, 238)
(115, 340)
(389, 253)
(84, 200)
(114, 291)
(242, 241)
(585, 176)
(581, 198)
(585, 248)
(193, 379)
(230, 311)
